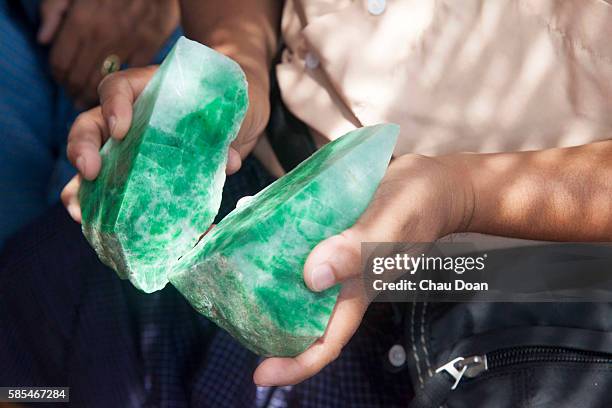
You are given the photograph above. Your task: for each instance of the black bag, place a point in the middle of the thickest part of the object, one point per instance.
(510, 354)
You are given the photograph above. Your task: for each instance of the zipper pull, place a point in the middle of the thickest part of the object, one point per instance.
(469, 367)
(451, 369)
(437, 388)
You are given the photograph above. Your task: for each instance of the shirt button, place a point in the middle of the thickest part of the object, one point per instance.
(376, 7)
(311, 60)
(397, 355)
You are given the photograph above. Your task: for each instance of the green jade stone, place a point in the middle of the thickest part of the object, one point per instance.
(160, 188)
(246, 274)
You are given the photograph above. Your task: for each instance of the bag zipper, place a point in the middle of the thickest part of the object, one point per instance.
(493, 351)
(539, 354)
(470, 367)
(437, 388)
(474, 366)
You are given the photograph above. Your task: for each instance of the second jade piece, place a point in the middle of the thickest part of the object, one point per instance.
(246, 274)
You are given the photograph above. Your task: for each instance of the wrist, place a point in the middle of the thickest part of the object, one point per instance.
(251, 49)
(460, 192)
(442, 188)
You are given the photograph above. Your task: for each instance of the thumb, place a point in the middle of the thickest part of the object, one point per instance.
(338, 258)
(52, 12)
(334, 260)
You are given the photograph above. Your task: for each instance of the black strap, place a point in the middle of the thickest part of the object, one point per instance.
(434, 392)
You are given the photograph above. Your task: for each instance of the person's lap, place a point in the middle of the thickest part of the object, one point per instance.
(67, 320)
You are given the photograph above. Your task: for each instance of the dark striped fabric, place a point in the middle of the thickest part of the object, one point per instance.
(362, 376)
(68, 320)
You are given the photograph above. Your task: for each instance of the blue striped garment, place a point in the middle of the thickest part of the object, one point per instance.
(35, 117)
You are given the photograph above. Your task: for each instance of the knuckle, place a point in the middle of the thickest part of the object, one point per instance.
(80, 125)
(94, 82)
(65, 195)
(351, 242)
(111, 82)
(348, 236)
(101, 85)
(71, 151)
(80, 121)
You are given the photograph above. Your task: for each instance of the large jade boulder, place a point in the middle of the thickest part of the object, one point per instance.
(246, 274)
(160, 188)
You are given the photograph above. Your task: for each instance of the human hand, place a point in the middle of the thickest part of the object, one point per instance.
(113, 118)
(420, 199)
(83, 33)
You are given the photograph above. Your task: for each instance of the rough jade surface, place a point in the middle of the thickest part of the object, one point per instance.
(160, 188)
(246, 274)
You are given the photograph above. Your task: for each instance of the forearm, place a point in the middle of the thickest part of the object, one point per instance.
(562, 194)
(245, 30)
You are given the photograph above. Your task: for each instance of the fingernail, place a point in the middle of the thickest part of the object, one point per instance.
(322, 277)
(112, 124)
(80, 164)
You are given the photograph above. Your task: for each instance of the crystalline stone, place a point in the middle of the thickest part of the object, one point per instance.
(246, 274)
(160, 188)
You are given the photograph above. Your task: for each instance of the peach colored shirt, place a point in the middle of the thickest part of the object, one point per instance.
(457, 75)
